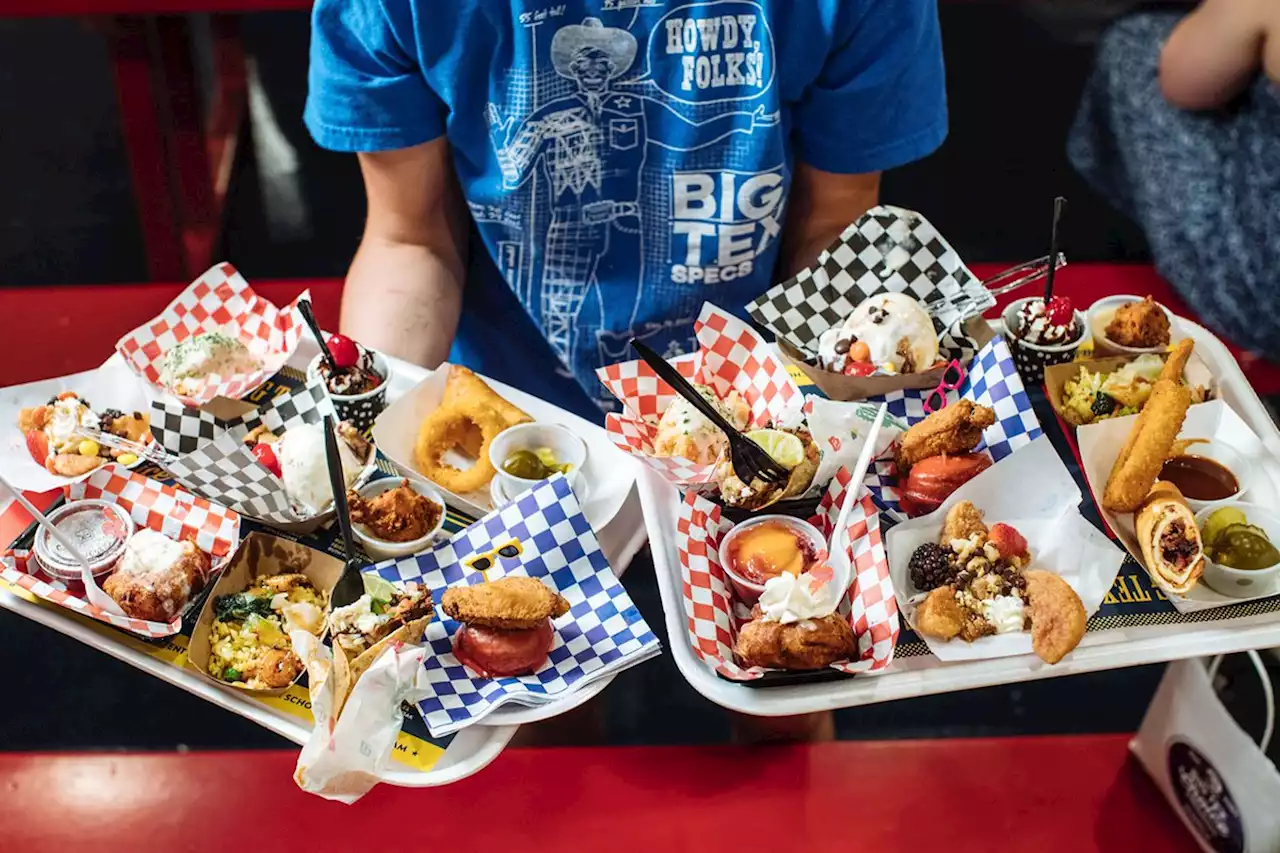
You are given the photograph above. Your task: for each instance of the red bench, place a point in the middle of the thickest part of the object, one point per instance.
(1047, 794)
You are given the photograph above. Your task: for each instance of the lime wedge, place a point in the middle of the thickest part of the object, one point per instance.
(378, 587)
(783, 447)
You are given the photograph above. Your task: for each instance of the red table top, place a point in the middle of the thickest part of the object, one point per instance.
(1047, 794)
(64, 329)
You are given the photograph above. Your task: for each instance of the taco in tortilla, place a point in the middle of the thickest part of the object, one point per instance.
(385, 615)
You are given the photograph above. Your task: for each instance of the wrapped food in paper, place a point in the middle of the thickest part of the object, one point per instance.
(345, 757)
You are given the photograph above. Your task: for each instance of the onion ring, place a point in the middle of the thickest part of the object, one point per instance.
(447, 428)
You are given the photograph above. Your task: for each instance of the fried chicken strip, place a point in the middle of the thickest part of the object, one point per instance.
(1150, 441)
(955, 429)
(1176, 363)
(509, 603)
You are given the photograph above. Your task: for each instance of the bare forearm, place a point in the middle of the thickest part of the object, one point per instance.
(1213, 53)
(822, 205)
(403, 299)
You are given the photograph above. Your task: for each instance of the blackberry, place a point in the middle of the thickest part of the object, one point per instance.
(1102, 404)
(930, 567)
(110, 416)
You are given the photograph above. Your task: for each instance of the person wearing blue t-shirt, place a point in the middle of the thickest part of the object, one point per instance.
(548, 180)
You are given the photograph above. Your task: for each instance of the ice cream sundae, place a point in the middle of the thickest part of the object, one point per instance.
(352, 372)
(1050, 324)
(889, 334)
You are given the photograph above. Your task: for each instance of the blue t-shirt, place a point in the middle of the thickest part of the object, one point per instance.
(624, 160)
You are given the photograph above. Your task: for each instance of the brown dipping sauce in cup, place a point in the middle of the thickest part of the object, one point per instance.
(1200, 478)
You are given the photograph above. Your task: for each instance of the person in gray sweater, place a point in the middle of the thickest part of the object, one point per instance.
(1179, 127)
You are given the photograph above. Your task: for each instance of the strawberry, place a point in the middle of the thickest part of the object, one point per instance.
(859, 368)
(267, 457)
(1008, 541)
(1060, 311)
(38, 445)
(344, 350)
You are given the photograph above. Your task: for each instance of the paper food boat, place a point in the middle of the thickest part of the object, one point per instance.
(1100, 444)
(1033, 491)
(152, 505)
(887, 250)
(259, 554)
(218, 301)
(209, 456)
(1057, 376)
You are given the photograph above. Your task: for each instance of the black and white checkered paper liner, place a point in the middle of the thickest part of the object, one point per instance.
(991, 380)
(888, 250)
(602, 634)
(212, 460)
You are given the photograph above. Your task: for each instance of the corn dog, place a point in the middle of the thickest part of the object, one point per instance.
(1150, 440)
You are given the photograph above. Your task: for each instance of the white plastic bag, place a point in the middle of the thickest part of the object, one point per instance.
(1213, 773)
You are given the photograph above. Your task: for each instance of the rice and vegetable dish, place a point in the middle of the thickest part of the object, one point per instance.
(249, 638)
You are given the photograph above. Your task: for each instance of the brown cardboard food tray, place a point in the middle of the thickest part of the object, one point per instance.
(259, 554)
(1056, 376)
(837, 386)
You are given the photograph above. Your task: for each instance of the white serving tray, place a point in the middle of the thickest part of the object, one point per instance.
(472, 748)
(925, 674)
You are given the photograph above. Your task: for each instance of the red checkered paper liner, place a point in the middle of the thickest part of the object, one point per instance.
(220, 300)
(714, 616)
(164, 509)
(731, 356)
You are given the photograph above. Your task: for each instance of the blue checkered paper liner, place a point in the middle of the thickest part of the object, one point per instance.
(991, 380)
(602, 634)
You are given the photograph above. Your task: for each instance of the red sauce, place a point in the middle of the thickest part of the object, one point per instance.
(1200, 478)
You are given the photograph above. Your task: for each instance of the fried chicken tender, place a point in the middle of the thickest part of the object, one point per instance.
(1176, 363)
(963, 520)
(955, 429)
(1057, 615)
(1150, 442)
(1139, 324)
(812, 644)
(510, 603)
(940, 615)
(396, 515)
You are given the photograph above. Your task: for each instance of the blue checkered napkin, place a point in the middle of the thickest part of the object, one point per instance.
(991, 380)
(602, 634)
